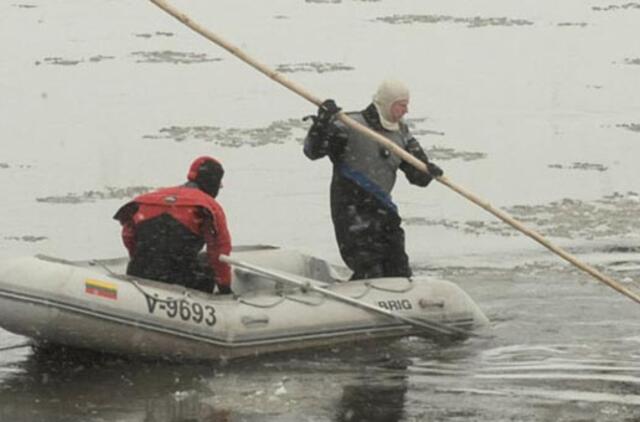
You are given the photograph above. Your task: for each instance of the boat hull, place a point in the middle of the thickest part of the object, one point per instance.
(88, 305)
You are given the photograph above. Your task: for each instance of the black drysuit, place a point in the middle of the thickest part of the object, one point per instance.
(366, 221)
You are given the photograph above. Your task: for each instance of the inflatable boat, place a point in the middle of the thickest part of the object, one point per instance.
(283, 300)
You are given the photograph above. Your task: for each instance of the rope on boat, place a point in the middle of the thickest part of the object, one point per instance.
(364, 293)
(186, 296)
(15, 346)
(295, 299)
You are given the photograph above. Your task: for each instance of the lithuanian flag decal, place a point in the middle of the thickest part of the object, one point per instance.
(101, 288)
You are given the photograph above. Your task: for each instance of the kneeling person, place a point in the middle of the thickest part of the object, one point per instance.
(165, 230)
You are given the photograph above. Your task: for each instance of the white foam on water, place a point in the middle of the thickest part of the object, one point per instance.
(507, 352)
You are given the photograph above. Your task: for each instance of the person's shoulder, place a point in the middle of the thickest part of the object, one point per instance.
(355, 115)
(206, 199)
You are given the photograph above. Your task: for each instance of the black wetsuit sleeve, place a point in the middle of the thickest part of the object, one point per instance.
(327, 139)
(316, 144)
(415, 176)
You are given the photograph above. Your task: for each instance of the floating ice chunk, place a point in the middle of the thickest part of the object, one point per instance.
(280, 390)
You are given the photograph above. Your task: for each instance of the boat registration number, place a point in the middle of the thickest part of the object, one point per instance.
(186, 311)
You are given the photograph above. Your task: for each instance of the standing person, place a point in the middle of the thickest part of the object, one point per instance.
(365, 219)
(165, 230)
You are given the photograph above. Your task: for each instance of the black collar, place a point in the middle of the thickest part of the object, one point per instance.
(372, 117)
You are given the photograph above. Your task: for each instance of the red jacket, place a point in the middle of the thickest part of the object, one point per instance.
(184, 204)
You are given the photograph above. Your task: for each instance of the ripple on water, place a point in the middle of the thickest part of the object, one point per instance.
(26, 238)
(60, 61)
(633, 127)
(282, 131)
(612, 215)
(568, 24)
(580, 166)
(154, 34)
(473, 22)
(276, 133)
(317, 67)
(543, 374)
(6, 166)
(615, 7)
(443, 153)
(173, 57)
(96, 195)
(164, 56)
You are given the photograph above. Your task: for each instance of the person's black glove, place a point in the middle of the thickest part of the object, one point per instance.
(434, 170)
(329, 139)
(224, 290)
(327, 110)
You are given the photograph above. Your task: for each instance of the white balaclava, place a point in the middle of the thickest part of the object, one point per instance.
(388, 93)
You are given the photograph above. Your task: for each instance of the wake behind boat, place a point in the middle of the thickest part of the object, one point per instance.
(92, 305)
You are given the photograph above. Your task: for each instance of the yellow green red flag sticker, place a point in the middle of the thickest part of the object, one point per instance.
(101, 288)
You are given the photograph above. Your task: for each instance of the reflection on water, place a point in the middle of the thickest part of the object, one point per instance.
(183, 407)
(372, 403)
(60, 384)
(56, 384)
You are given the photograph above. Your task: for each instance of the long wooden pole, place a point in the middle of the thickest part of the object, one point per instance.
(404, 155)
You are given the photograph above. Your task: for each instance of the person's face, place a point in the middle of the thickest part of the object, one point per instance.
(398, 109)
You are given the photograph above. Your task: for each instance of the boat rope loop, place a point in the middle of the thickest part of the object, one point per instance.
(154, 297)
(282, 298)
(278, 301)
(367, 289)
(410, 286)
